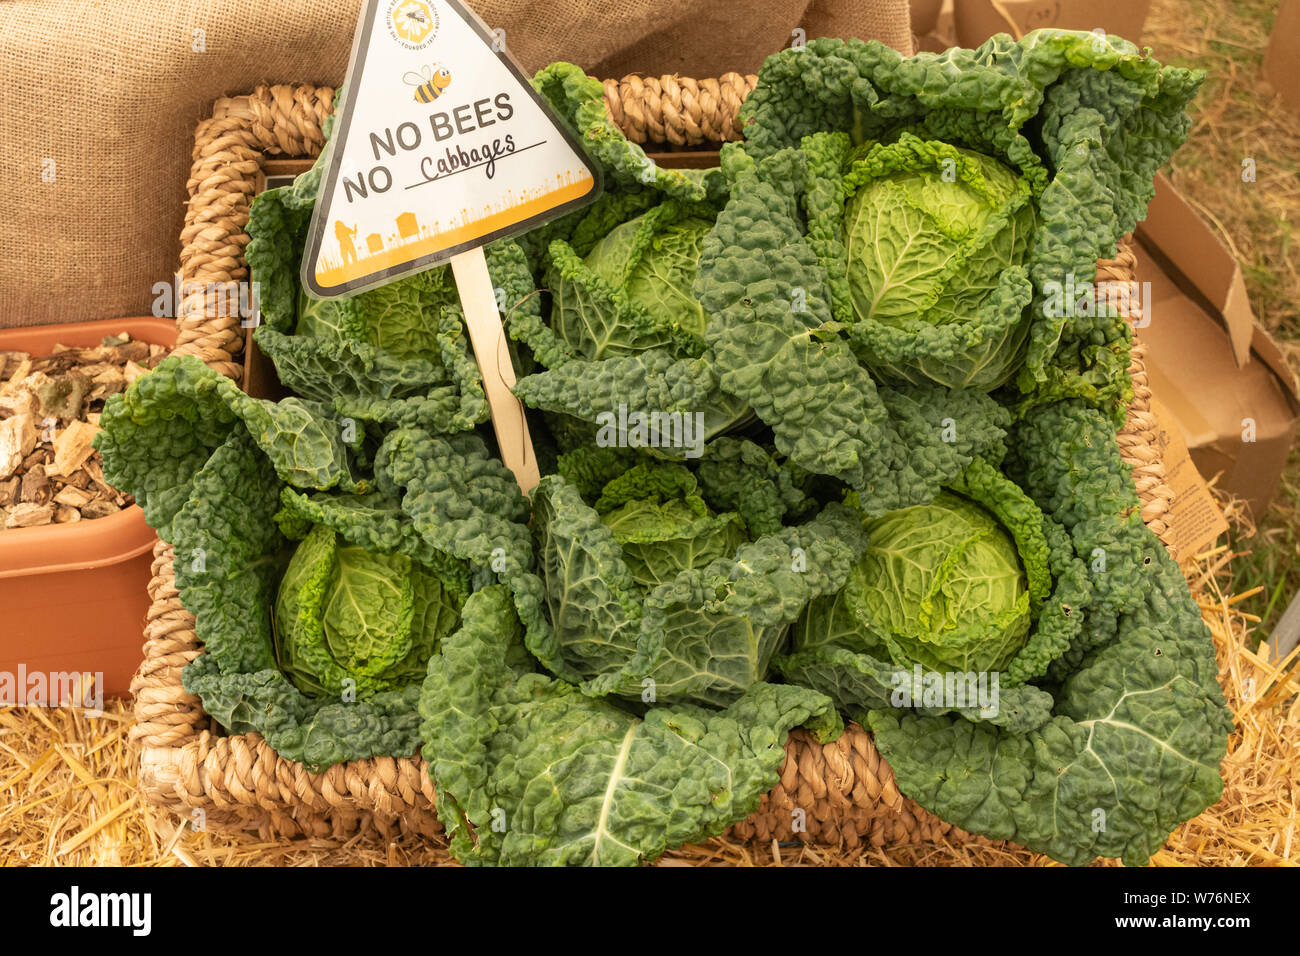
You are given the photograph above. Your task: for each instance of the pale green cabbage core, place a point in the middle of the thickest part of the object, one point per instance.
(662, 272)
(941, 585)
(344, 613)
(929, 243)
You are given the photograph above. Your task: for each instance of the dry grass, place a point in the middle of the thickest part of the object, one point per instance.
(1238, 116)
(71, 796)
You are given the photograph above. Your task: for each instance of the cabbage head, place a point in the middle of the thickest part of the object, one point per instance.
(626, 327)
(649, 264)
(935, 239)
(656, 514)
(345, 613)
(940, 585)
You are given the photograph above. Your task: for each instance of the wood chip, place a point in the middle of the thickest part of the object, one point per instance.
(10, 360)
(36, 486)
(9, 491)
(100, 392)
(41, 455)
(131, 371)
(95, 472)
(23, 369)
(79, 479)
(28, 516)
(72, 447)
(21, 402)
(72, 497)
(17, 439)
(66, 514)
(99, 508)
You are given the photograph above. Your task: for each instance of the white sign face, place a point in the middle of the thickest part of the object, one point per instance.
(441, 145)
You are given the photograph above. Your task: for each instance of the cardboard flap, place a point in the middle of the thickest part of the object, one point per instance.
(1194, 518)
(1266, 348)
(1196, 251)
(977, 20)
(1282, 61)
(1195, 427)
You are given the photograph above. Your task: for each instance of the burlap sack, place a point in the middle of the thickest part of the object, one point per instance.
(100, 101)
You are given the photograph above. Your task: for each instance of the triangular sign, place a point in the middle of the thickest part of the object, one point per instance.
(441, 145)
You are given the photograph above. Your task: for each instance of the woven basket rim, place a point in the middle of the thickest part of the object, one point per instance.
(846, 788)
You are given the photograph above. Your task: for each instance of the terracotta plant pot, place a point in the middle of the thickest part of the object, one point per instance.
(73, 596)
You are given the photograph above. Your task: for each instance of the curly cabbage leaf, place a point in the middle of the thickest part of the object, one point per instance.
(161, 431)
(1085, 120)
(529, 771)
(649, 594)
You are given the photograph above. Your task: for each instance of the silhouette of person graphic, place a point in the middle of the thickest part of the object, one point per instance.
(345, 237)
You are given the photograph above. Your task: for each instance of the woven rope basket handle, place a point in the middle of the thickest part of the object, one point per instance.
(228, 152)
(678, 111)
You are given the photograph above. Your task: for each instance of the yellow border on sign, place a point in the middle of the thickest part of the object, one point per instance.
(338, 274)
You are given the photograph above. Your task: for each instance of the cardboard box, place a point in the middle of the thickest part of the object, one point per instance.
(977, 20)
(1221, 376)
(1282, 61)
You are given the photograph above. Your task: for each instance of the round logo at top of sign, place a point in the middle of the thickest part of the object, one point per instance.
(412, 23)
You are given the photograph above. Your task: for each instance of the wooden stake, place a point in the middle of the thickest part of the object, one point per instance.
(486, 335)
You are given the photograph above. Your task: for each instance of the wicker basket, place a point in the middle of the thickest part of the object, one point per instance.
(846, 789)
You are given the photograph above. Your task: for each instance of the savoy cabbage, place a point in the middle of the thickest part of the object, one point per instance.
(1079, 123)
(304, 643)
(1109, 723)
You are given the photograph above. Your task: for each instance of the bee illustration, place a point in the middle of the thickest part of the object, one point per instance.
(428, 84)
